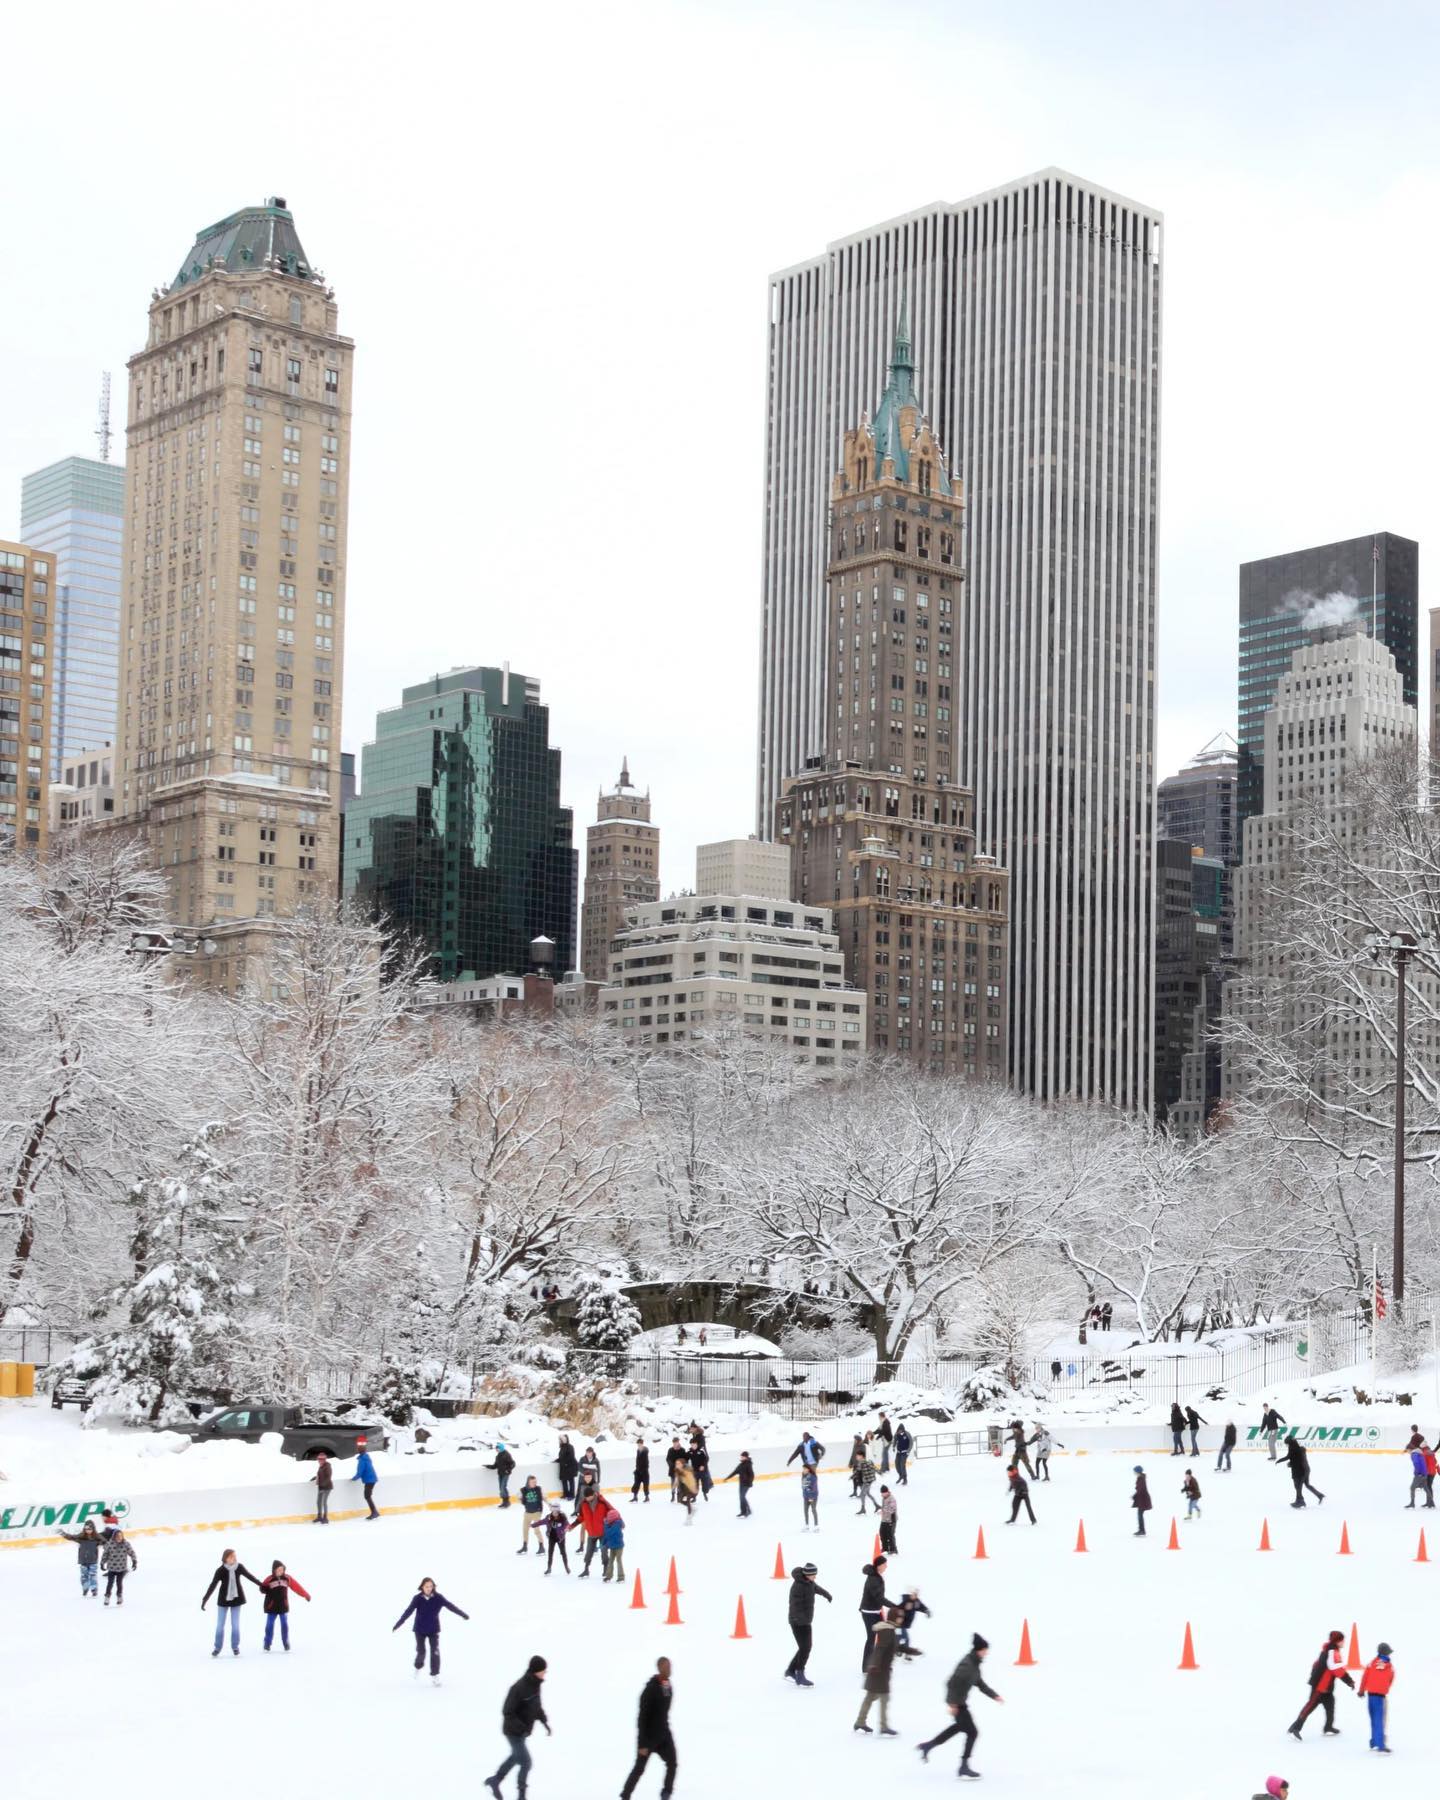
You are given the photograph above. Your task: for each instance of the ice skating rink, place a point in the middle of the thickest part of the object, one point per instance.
(129, 1704)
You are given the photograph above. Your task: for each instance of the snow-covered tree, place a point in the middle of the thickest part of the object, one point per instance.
(416, 1343)
(175, 1324)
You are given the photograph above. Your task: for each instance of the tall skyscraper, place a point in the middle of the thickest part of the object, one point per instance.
(1036, 314)
(622, 870)
(232, 638)
(1197, 806)
(878, 829)
(26, 595)
(457, 836)
(1299, 598)
(74, 512)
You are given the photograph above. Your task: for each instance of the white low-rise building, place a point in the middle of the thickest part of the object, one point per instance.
(701, 964)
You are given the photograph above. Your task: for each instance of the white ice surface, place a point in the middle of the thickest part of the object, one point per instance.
(129, 1703)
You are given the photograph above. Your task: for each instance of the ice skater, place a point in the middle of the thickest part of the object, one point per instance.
(1190, 1488)
(277, 1588)
(885, 1431)
(1375, 1685)
(1021, 1453)
(522, 1712)
(904, 1444)
(744, 1473)
(590, 1467)
(965, 1676)
(556, 1525)
(1019, 1495)
(808, 1450)
(1325, 1671)
(1177, 1429)
(801, 1616)
(87, 1556)
(1193, 1422)
(590, 1516)
(612, 1546)
(1041, 1444)
(228, 1586)
(1276, 1788)
(910, 1605)
(878, 1667)
(873, 1602)
(426, 1605)
(504, 1467)
(1270, 1423)
(366, 1476)
(889, 1519)
(324, 1479)
(865, 1482)
(117, 1558)
(1422, 1475)
(1140, 1500)
(641, 1477)
(674, 1456)
(1227, 1446)
(567, 1466)
(532, 1515)
(700, 1463)
(810, 1498)
(1297, 1459)
(653, 1737)
(687, 1485)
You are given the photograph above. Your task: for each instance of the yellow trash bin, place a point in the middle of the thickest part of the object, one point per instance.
(7, 1381)
(25, 1381)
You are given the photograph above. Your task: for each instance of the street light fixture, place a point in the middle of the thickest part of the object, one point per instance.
(1402, 947)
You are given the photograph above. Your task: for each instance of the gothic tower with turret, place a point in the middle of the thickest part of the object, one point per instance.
(622, 870)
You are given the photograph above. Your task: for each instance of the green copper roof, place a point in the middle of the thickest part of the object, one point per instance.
(257, 237)
(899, 393)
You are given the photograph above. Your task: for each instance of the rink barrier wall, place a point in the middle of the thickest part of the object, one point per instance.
(27, 1524)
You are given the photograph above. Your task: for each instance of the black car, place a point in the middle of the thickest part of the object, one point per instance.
(70, 1390)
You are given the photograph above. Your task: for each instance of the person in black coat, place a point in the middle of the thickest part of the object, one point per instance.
(1177, 1429)
(674, 1457)
(1141, 1500)
(652, 1734)
(229, 1578)
(522, 1712)
(744, 1473)
(700, 1463)
(567, 1465)
(873, 1602)
(1297, 1460)
(642, 1473)
(1019, 1495)
(1193, 1422)
(803, 1589)
(504, 1467)
(427, 1604)
(965, 1676)
(1227, 1445)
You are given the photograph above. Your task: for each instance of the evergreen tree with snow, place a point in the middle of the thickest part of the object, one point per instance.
(176, 1324)
(606, 1319)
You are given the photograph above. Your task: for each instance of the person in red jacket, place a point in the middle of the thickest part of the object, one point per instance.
(591, 1515)
(1325, 1671)
(1375, 1685)
(277, 1587)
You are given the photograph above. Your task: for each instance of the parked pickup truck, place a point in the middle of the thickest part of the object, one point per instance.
(300, 1436)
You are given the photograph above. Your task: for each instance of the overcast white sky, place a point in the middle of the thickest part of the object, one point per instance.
(550, 230)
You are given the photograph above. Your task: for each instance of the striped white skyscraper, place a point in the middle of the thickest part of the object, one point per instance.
(1036, 314)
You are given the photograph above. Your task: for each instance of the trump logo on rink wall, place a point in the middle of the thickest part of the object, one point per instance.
(66, 1515)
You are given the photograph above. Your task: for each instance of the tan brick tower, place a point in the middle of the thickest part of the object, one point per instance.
(878, 830)
(622, 870)
(232, 630)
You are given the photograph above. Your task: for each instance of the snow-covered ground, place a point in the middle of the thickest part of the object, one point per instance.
(131, 1703)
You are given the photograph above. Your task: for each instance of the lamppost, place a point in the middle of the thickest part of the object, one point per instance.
(1402, 946)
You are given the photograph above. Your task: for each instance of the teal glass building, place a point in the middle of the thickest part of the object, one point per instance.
(457, 836)
(74, 511)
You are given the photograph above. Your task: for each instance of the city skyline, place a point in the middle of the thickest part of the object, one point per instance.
(1255, 177)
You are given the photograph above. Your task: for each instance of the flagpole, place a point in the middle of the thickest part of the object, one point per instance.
(1374, 1320)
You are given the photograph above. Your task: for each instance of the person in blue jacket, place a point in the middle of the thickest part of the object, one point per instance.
(365, 1473)
(904, 1444)
(427, 1604)
(612, 1547)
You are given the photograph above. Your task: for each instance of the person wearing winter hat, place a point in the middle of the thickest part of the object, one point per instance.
(1276, 1788)
(1325, 1671)
(504, 1467)
(522, 1712)
(803, 1589)
(966, 1675)
(1375, 1685)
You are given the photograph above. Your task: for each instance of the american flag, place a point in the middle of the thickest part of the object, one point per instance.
(1379, 1298)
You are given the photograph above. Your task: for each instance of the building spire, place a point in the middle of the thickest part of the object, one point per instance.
(624, 781)
(902, 359)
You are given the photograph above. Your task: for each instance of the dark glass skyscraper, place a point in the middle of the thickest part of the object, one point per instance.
(1287, 601)
(457, 835)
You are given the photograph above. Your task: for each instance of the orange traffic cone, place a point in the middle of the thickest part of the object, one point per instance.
(637, 1597)
(672, 1586)
(1353, 1661)
(980, 1555)
(878, 1550)
(1174, 1543)
(673, 1616)
(1187, 1656)
(1344, 1549)
(1025, 1660)
(1264, 1534)
(1080, 1543)
(1422, 1554)
(740, 1631)
(779, 1574)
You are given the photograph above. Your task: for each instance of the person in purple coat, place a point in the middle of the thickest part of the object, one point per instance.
(427, 1604)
